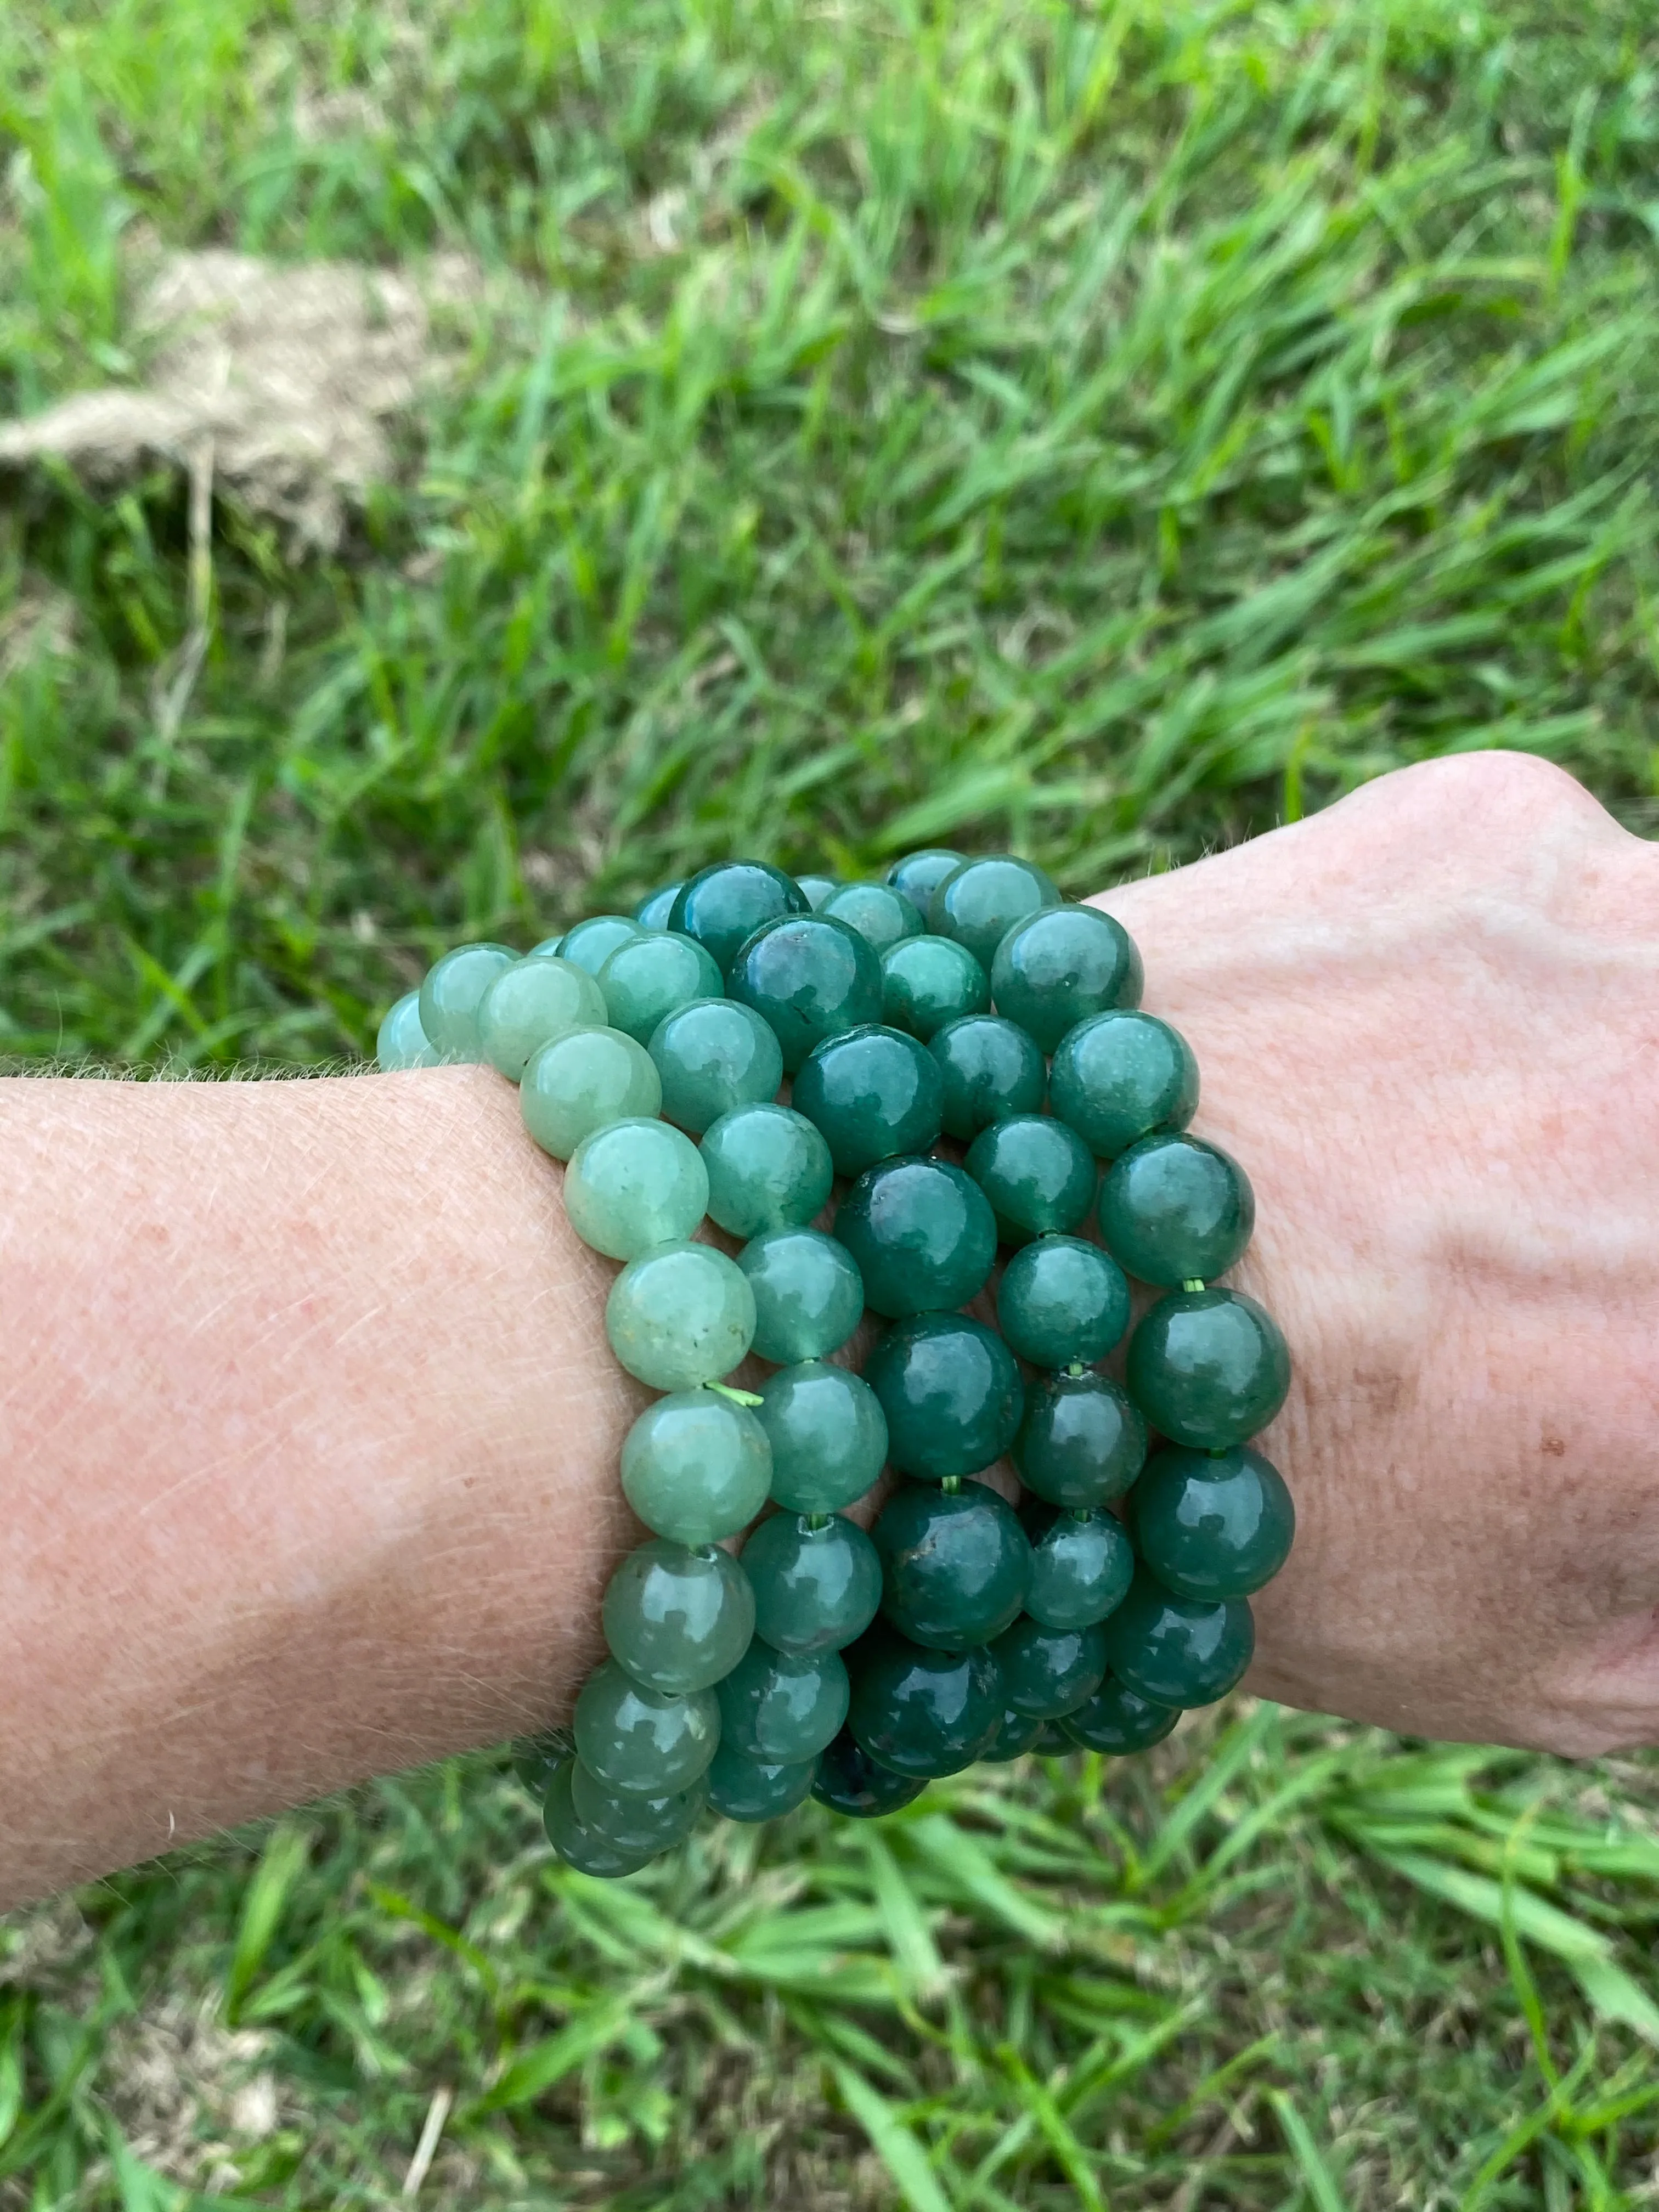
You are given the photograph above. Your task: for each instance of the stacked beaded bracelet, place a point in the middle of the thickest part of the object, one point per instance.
(649, 1052)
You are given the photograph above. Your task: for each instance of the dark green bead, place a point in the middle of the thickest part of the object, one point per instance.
(538, 1758)
(592, 943)
(646, 978)
(1064, 965)
(919, 875)
(579, 1845)
(808, 1294)
(723, 905)
(874, 1093)
(808, 978)
(817, 888)
(1049, 1672)
(849, 1781)
(922, 1235)
(769, 1168)
(653, 911)
(1082, 1565)
(1061, 1299)
(817, 1581)
(926, 982)
(714, 1055)
(1117, 1721)
(1038, 1175)
(755, 1789)
(827, 1436)
(1173, 1209)
(638, 1739)
(1208, 1368)
(979, 903)
(1082, 1443)
(881, 916)
(955, 1564)
(1213, 1525)
(677, 1619)
(1178, 1651)
(783, 1707)
(1117, 1077)
(990, 1069)
(1052, 1742)
(924, 1712)
(631, 1822)
(951, 1394)
(1017, 1733)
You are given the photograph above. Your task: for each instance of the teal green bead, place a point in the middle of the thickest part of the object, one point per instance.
(538, 1758)
(678, 1619)
(579, 1845)
(1038, 1175)
(1082, 1565)
(1117, 1722)
(922, 1712)
(453, 992)
(950, 1392)
(827, 1434)
(1049, 1672)
(922, 1236)
(1174, 1209)
(817, 1581)
(714, 1055)
(548, 949)
(816, 889)
(808, 978)
(917, 876)
(697, 1466)
(1017, 1733)
(592, 943)
(1178, 1651)
(1082, 1442)
(926, 982)
(849, 1782)
(955, 1565)
(401, 1041)
(653, 910)
(531, 1003)
(808, 1296)
(647, 978)
(881, 916)
(1213, 1525)
(633, 1738)
(874, 1093)
(631, 1821)
(989, 1069)
(583, 1081)
(722, 905)
(769, 1168)
(634, 1185)
(1061, 1299)
(1117, 1077)
(783, 1706)
(1052, 1742)
(981, 900)
(1208, 1368)
(1058, 967)
(755, 1789)
(680, 1315)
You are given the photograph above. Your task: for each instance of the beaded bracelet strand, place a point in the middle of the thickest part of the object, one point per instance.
(649, 1051)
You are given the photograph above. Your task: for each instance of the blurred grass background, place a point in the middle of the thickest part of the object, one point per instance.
(1105, 431)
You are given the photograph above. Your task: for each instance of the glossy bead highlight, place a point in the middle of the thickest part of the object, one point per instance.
(680, 1315)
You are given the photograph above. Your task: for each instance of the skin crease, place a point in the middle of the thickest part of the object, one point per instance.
(310, 1430)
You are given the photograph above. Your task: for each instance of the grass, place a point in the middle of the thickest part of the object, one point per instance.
(1105, 432)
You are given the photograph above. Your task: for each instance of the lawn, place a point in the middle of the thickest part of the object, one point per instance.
(1101, 431)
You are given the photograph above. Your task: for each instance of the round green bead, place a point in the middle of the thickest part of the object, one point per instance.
(593, 942)
(401, 1041)
(808, 1296)
(1061, 1299)
(630, 1821)
(874, 1093)
(1208, 1368)
(723, 905)
(1049, 1672)
(817, 1582)
(1082, 1443)
(950, 1392)
(1053, 1742)
(1117, 1077)
(1038, 1175)
(826, 1433)
(653, 910)
(756, 1789)
(783, 1706)
(1115, 1720)
(922, 1712)
(1082, 1565)
(538, 1758)
(980, 902)
(581, 1846)
(453, 992)
(919, 875)
(583, 1081)
(678, 1619)
(680, 1315)
(808, 978)
(548, 949)
(1173, 1209)
(769, 1168)
(1178, 1651)
(531, 1003)
(849, 1782)
(634, 1185)
(1213, 1525)
(990, 1069)
(1057, 968)
(922, 1235)
(881, 916)
(1017, 1733)
(816, 889)
(713, 1056)
(955, 1565)
(697, 1466)
(926, 982)
(633, 1738)
(647, 978)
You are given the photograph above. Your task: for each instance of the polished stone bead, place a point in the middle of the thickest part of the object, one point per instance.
(634, 1185)
(1208, 1368)
(924, 1712)
(548, 949)
(808, 978)
(1178, 1651)
(1049, 1672)
(538, 1758)
(1115, 1720)
(951, 1394)
(1082, 1443)
(926, 982)
(783, 1706)
(531, 1003)
(401, 1041)
(453, 992)
(881, 916)
(955, 1564)
(755, 1789)
(637, 1738)
(648, 978)
(980, 902)
(817, 1581)
(1213, 1525)
(817, 888)
(849, 1782)
(1117, 1077)
(678, 1619)
(1038, 1175)
(695, 1466)
(1017, 1733)
(631, 1821)
(1061, 1299)
(875, 1093)
(1059, 966)
(919, 875)
(583, 1081)
(592, 943)
(769, 1168)
(1052, 1742)
(652, 911)
(680, 1315)
(722, 905)
(1173, 1209)
(713, 1056)
(826, 1433)
(990, 1069)
(922, 1235)
(1082, 1565)
(808, 1294)
(579, 1845)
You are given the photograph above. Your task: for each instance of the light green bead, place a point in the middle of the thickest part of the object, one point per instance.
(402, 1042)
(769, 1168)
(582, 1081)
(827, 1434)
(680, 1315)
(678, 1619)
(713, 1056)
(634, 1738)
(809, 1296)
(697, 1466)
(530, 1003)
(647, 978)
(453, 992)
(634, 1185)
(592, 943)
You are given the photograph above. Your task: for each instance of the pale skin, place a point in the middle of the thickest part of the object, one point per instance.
(310, 1430)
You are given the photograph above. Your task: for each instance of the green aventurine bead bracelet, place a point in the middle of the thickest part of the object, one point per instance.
(961, 1004)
